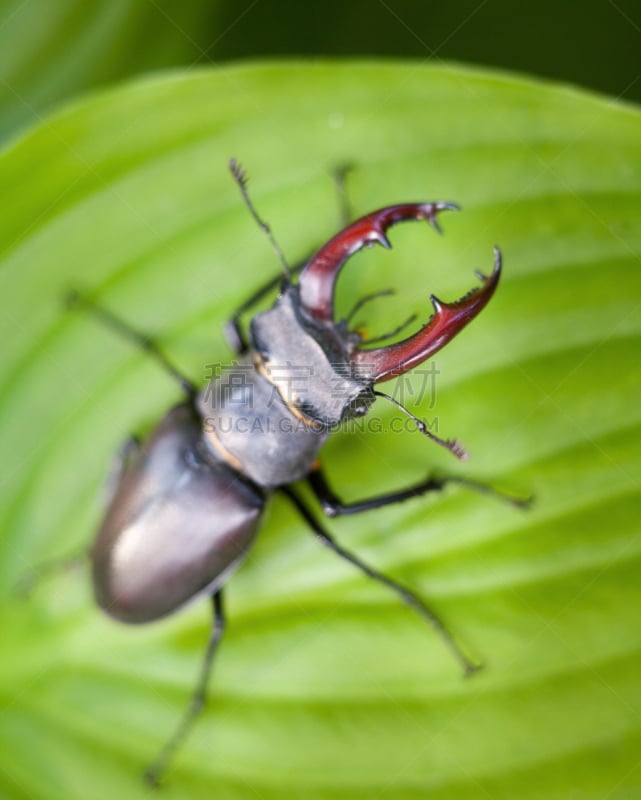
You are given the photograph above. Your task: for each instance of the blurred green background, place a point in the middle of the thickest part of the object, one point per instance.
(50, 51)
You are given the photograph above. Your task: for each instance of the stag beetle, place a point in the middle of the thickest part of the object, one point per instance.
(189, 501)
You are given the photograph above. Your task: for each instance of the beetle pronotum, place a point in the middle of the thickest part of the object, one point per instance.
(188, 502)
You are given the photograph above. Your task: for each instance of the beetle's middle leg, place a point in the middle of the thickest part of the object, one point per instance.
(198, 699)
(407, 595)
(333, 506)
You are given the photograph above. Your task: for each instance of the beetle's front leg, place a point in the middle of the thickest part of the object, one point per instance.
(333, 506)
(233, 329)
(198, 699)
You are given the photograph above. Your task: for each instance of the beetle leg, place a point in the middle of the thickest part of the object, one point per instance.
(406, 595)
(367, 298)
(382, 337)
(233, 329)
(333, 506)
(155, 770)
(74, 300)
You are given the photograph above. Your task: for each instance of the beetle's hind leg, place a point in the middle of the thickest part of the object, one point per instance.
(406, 595)
(155, 770)
(233, 329)
(75, 299)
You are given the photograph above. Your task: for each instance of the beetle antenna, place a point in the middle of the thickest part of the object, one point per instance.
(240, 176)
(453, 445)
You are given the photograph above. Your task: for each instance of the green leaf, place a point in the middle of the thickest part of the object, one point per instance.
(327, 686)
(51, 51)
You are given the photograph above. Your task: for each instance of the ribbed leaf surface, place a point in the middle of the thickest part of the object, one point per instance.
(326, 686)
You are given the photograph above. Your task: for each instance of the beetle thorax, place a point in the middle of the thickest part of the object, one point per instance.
(307, 361)
(269, 413)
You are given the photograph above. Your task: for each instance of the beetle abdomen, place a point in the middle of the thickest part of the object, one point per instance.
(178, 524)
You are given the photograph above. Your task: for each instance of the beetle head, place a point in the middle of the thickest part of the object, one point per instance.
(315, 362)
(308, 362)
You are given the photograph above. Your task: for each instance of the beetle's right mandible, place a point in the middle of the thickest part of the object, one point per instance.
(318, 281)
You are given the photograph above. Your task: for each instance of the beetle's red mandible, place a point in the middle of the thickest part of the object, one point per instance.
(318, 280)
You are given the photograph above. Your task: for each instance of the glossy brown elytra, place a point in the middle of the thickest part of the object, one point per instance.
(188, 502)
